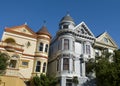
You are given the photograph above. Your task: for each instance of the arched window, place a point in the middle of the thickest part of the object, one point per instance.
(10, 40)
(46, 48)
(38, 66)
(44, 66)
(41, 47)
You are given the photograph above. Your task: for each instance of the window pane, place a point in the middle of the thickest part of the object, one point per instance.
(25, 63)
(38, 65)
(57, 65)
(44, 67)
(41, 47)
(66, 44)
(68, 82)
(13, 63)
(65, 26)
(46, 48)
(59, 44)
(65, 63)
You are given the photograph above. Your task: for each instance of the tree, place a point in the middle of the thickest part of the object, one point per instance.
(43, 80)
(3, 62)
(75, 80)
(107, 73)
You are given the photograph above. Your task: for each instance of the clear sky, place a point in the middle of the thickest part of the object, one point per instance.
(99, 15)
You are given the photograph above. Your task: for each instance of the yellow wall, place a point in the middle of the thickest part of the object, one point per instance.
(11, 81)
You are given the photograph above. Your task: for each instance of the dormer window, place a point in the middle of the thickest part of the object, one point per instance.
(65, 26)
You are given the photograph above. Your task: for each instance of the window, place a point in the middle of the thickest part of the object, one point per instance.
(65, 63)
(38, 66)
(41, 47)
(44, 66)
(10, 40)
(24, 63)
(13, 63)
(65, 26)
(58, 65)
(60, 45)
(46, 48)
(66, 44)
(88, 49)
(68, 82)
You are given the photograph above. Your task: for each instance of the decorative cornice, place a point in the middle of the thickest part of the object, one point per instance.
(64, 31)
(19, 33)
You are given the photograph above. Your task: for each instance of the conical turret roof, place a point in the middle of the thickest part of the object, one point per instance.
(44, 31)
(67, 18)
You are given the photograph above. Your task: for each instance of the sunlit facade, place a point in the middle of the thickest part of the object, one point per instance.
(28, 51)
(71, 48)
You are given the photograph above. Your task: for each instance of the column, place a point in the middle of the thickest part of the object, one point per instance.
(63, 81)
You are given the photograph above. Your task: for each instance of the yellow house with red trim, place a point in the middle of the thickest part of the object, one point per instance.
(28, 51)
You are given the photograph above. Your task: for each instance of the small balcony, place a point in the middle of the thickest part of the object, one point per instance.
(11, 46)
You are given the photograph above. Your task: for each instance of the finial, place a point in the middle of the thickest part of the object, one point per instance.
(68, 13)
(25, 23)
(44, 22)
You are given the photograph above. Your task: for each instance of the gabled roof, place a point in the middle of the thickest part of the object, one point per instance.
(23, 30)
(83, 29)
(106, 39)
(44, 31)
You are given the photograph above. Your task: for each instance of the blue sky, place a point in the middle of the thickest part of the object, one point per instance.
(99, 15)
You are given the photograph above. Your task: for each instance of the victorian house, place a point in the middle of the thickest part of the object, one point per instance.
(28, 51)
(104, 43)
(73, 45)
(71, 48)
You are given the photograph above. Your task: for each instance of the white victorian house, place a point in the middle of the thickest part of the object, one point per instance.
(69, 50)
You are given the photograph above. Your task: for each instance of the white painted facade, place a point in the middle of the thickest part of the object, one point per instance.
(69, 50)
